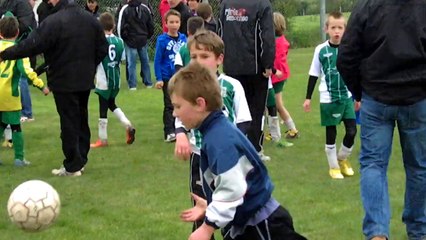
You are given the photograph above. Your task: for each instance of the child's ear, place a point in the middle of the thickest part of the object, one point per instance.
(201, 103)
(220, 59)
(17, 34)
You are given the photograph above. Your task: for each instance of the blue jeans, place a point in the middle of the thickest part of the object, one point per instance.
(131, 65)
(378, 121)
(27, 109)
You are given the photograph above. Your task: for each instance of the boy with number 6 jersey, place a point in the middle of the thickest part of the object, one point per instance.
(108, 84)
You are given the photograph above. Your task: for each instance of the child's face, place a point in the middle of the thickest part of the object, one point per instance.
(206, 58)
(192, 4)
(187, 112)
(173, 24)
(173, 3)
(335, 29)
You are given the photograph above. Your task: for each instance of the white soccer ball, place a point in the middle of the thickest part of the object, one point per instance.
(34, 205)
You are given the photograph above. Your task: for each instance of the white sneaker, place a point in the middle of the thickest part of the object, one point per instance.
(264, 157)
(170, 138)
(133, 89)
(63, 172)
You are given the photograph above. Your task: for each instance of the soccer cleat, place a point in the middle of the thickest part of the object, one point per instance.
(130, 133)
(335, 173)
(171, 137)
(7, 144)
(99, 143)
(291, 134)
(268, 137)
(21, 163)
(345, 168)
(63, 173)
(283, 144)
(264, 157)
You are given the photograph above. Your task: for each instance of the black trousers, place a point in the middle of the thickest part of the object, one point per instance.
(168, 119)
(75, 131)
(256, 90)
(278, 226)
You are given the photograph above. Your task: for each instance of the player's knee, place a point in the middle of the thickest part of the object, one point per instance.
(15, 127)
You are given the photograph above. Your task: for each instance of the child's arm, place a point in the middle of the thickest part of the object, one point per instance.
(24, 67)
(182, 146)
(314, 73)
(157, 63)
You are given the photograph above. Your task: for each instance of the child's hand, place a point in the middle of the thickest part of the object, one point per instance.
(195, 213)
(357, 106)
(307, 105)
(159, 84)
(204, 232)
(267, 73)
(182, 146)
(279, 74)
(46, 91)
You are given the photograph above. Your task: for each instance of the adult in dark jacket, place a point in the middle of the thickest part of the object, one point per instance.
(43, 10)
(382, 59)
(92, 7)
(247, 30)
(135, 27)
(73, 44)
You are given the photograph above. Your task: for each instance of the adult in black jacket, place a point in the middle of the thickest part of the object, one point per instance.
(43, 10)
(135, 27)
(185, 13)
(247, 30)
(73, 44)
(382, 59)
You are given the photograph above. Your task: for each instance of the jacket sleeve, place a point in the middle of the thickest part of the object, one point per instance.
(351, 49)
(267, 36)
(157, 60)
(150, 27)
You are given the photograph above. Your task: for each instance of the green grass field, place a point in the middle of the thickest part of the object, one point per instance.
(137, 191)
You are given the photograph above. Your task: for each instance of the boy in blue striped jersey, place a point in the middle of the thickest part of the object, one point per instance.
(236, 182)
(108, 84)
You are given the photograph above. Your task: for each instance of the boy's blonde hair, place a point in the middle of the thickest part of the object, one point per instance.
(171, 12)
(207, 40)
(195, 81)
(279, 24)
(9, 27)
(335, 15)
(107, 21)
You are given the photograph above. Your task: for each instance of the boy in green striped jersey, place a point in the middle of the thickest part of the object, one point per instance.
(108, 84)
(207, 48)
(336, 103)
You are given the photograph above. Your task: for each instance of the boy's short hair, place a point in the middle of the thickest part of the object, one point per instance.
(9, 27)
(335, 15)
(194, 81)
(209, 40)
(194, 24)
(204, 10)
(171, 12)
(279, 24)
(107, 21)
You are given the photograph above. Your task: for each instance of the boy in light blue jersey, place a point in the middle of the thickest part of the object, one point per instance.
(207, 48)
(108, 84)
(336, 103)
(236, 182)
(167, 46)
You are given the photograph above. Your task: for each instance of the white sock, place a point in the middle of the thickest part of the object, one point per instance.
(123, 119)
(330, 151)
(8, 133)
(344, 152)
(102, 128)
(274, 128)
(290, 124)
